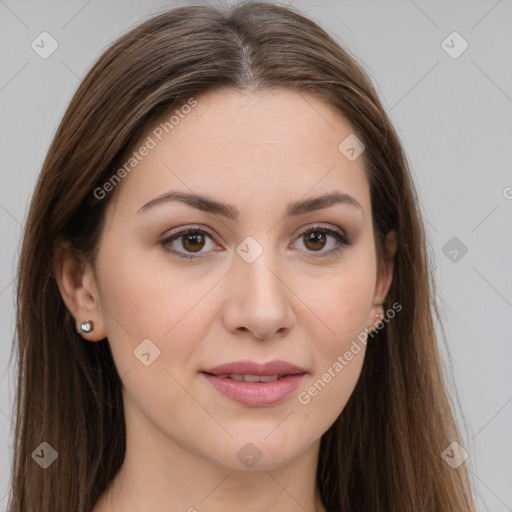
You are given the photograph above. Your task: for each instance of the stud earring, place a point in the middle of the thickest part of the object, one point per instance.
(379, 317)
(85, 327)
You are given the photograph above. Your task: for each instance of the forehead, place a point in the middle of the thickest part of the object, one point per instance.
(272, 146)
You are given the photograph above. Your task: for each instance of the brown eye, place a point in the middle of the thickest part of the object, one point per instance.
(193, 242)
(187, 242)
(315, 240)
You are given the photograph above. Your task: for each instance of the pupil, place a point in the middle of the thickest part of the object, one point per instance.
(316, 237)
(194, 237)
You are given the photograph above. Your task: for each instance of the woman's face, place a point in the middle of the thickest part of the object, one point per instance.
(260, 279)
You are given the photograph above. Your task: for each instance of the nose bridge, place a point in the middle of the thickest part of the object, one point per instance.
(258, 300)
(260, 276)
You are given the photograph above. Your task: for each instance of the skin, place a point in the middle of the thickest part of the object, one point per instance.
(257, 151)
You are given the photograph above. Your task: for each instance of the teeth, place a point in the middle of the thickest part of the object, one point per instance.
(269, 378)
(251, 378)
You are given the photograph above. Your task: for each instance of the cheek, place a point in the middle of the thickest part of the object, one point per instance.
(342, 304)
(341, 300)
(144, 298)
(153, 308)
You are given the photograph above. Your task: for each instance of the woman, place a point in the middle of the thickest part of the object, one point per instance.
(224, 299)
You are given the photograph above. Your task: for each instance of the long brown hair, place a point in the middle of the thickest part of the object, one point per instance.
(383, 453)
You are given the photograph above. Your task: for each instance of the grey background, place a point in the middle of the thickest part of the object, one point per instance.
(454, 117)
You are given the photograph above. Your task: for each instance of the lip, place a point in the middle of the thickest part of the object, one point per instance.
(255, 394)
(244, 367)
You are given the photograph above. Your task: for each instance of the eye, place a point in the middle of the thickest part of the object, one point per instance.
(189, 242)
(316, 238)
(193, 240)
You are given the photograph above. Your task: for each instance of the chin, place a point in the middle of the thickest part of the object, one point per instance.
(257, 453)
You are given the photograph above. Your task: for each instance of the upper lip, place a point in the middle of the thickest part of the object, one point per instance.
(253, 368)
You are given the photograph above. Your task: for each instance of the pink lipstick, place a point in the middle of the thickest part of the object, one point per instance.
(255, 384)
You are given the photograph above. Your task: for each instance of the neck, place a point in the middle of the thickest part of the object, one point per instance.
(158, 474)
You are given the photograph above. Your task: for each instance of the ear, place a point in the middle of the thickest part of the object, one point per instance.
(384, 275)
(76, 281)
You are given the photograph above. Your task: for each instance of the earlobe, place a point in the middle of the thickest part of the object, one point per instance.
(75, 280)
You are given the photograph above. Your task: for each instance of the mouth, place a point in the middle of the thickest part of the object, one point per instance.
(251, 369)
(248, 377)
(255, 384)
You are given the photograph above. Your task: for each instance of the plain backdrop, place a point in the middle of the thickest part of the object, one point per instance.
(453, 112)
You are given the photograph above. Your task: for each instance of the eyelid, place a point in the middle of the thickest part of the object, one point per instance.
(327, 228)
(183, 230)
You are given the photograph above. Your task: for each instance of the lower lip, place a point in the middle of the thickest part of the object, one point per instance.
(256, 394)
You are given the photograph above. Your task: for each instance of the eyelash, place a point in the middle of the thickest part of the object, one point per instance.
(343, 241)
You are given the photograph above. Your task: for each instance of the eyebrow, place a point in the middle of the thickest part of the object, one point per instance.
(209, 205)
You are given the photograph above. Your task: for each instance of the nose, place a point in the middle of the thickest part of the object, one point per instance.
(258, 298)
